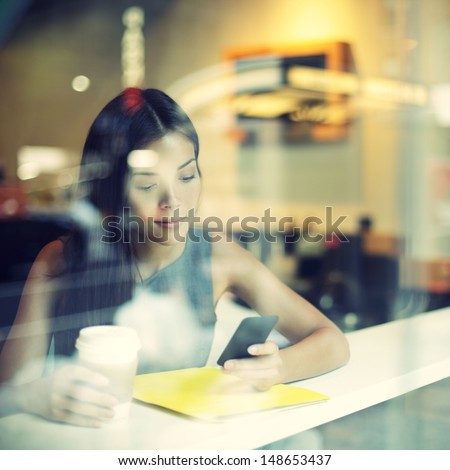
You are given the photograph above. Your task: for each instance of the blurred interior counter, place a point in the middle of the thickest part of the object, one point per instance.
(387, 361)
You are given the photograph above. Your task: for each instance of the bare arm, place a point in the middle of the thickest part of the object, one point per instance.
(29, 337)
(318, 346)
(73, 393)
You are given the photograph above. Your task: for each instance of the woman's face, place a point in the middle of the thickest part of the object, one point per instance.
(164, 188)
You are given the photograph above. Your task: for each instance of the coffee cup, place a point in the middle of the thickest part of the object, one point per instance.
(113, 352)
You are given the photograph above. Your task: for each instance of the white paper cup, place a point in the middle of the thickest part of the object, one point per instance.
(113, 352)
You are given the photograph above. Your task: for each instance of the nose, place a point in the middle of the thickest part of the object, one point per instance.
(168, 199)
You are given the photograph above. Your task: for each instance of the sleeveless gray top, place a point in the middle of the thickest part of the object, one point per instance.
(185, 316)
(173, 311)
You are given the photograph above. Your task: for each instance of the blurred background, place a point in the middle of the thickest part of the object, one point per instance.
(333, 109)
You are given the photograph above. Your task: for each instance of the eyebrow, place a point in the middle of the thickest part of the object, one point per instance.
(150, 173)
(186, 163)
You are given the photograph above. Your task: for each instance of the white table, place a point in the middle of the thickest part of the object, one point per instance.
(386, 361)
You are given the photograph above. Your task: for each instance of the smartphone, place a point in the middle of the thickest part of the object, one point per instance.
(251, 330)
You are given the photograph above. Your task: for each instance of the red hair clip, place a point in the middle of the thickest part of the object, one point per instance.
(132, 100)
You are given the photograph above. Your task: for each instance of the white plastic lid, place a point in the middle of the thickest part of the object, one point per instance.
(116, 343)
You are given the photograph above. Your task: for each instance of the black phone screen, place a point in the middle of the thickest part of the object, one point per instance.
(251, 330)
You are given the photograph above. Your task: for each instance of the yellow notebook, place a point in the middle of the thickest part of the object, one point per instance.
(208, 393)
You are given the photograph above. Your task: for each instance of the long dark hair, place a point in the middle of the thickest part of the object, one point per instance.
(99, 276)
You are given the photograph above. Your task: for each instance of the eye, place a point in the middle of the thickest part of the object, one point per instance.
(187, 178)
(145, 187)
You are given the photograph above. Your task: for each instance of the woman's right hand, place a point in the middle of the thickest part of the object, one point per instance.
(73, 394)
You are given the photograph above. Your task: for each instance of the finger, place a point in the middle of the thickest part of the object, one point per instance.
(267, 348)
(67, 378)
(87, 394)
(78, 420)
(255, 374)
(64, 407)
(67, 416)
(261, 380)
(260, 362)
(83, 374)
(263, 386)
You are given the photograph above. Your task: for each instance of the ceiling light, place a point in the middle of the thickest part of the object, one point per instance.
(80, 83)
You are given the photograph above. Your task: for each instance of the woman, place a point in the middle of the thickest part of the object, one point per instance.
(140, 174)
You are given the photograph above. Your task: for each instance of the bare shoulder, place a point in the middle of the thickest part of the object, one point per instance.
(226, 249)
(50, 261)
(232, 262)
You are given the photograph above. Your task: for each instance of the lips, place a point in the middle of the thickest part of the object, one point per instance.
(170, 222)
